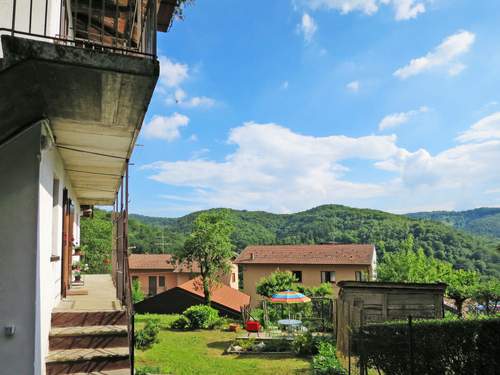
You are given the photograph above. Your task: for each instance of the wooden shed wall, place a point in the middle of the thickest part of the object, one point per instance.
(359, 306)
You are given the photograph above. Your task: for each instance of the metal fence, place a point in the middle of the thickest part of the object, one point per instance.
(118, 26)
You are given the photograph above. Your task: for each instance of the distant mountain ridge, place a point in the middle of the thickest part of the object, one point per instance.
(483, 221)
(331, 223)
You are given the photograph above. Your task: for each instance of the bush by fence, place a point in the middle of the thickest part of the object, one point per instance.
(431, 347)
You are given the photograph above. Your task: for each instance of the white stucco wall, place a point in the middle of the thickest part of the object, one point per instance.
(37, 18)
(50, 243)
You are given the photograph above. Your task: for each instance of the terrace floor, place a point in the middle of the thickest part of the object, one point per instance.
(100, 295)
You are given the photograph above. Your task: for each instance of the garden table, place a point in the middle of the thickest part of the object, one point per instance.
(289, 324)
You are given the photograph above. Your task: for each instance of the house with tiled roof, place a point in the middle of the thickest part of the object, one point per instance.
(311, 264)
(228, 301)
(157, 273)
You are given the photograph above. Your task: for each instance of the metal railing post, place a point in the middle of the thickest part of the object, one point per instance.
(13, 17)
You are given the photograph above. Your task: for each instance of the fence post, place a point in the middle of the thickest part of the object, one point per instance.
(410, 344)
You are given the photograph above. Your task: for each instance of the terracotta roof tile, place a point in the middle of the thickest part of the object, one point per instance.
(222, 294)
(307, 254)
(158, 262)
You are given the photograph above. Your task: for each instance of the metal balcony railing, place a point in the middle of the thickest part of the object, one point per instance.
(119, 26)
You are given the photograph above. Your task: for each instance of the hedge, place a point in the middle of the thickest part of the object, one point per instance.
(437, 347)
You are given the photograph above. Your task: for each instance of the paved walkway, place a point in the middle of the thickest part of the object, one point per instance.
(101, 296)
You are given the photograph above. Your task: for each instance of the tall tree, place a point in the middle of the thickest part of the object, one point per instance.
(209, 246)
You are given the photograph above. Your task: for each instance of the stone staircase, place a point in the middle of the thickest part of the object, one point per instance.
(88, 342)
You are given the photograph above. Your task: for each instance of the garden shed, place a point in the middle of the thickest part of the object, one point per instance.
(360, 303)
(226, 300)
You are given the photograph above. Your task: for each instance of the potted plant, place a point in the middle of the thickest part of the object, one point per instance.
(78, 276)
(75, 266)
(78, 250)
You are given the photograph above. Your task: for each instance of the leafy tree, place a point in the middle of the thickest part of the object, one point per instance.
(209, 246)
(137, 294)
(488, 294)
(96, 240)
(278, 281)
(461, 286)
(322, 290)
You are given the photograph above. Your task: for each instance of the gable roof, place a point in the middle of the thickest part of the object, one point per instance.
(158, 262)
(222, 294)
(307, 254)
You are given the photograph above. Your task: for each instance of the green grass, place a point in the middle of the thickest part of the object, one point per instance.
(201, 352)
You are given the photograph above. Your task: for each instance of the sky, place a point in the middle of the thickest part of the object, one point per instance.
(285, 105)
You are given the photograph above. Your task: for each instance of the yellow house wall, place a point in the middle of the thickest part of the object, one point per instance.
(311, 275)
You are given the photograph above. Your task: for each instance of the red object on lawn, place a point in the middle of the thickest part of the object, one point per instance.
(252, 326)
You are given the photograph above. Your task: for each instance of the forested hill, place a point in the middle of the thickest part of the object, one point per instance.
(329, 223)
(483, 221)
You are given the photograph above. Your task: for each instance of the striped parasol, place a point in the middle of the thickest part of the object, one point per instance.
(289, 296)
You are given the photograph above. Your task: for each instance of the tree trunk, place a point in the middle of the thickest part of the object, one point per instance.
(460, 307)
(206, 291)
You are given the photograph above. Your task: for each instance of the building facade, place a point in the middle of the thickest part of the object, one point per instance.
(157, 273)
(75, 83)
(311, 264)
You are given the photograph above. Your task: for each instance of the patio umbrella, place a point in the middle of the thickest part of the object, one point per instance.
(289, 296)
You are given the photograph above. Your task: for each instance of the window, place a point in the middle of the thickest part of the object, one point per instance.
(161, 281)
(152, 285)
(298, 275)
(55, 217)
(233, 277)
(359, 276)
(327, 276)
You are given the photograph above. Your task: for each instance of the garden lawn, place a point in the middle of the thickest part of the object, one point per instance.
(201, 352)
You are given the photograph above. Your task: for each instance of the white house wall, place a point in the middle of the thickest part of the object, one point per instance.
(19, 186)
(50, 244)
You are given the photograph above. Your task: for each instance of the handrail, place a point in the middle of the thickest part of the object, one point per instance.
(105, 25)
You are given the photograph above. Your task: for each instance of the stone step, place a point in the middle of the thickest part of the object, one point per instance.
(86, 361)
(111, 336)
(88, 318)
(110, 372)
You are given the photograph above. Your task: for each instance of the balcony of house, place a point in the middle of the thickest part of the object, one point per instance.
(87, 67)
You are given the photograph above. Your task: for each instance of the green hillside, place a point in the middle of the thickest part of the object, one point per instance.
(330, 223)
(482, 221)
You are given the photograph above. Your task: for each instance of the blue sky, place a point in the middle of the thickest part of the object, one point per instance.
(288, 104)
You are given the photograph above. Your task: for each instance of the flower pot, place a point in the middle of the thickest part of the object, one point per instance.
(78, 277)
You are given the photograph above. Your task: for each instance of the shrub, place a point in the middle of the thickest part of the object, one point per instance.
(147, 370)
(201, 316)
(326, 361)
(307, 344)
(245, 344)
(181, 323)
(137, 294)
(280, 345)
(146, 337)
(439, 347)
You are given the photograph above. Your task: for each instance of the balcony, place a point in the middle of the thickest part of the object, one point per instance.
(87, 68)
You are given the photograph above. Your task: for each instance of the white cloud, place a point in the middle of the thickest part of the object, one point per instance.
(407, 9)
(166, 128)
(353, 86)
(346, 6)
(487, 128)
(444, 55)
(172, 74)
(403, 9)
(276, 169)
(180, 97)
(308, 27)
(284, 85)
(395, 119)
